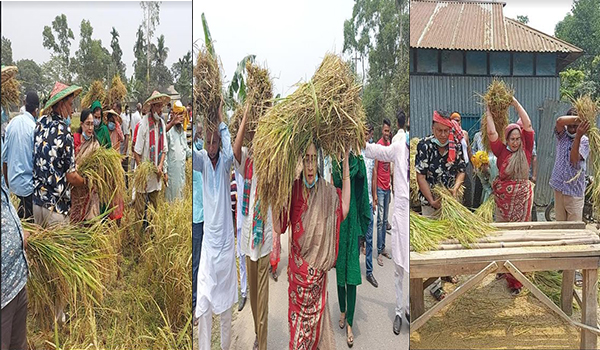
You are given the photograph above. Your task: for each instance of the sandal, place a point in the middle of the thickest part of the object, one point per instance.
(500, 276)
(349, 338)
(438, 293)
(578, 279)
(342, 322)
(450, 279)
(515, 291)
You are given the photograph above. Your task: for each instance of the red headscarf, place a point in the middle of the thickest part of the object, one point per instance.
(454, 136)
(510, 127)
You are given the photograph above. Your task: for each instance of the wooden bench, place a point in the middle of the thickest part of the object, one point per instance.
(517, 248)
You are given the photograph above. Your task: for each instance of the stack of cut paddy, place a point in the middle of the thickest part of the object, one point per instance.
(259, 98)
(486, 210)
(117, 91)
(326, 110)
(499, 97)
(95, 93)
(208, 88)
(68, 263)
(425, 233)
(104, 173)
(464, 226)
(588, 109)
(550, 283)
(141, 174)
(11, 93)
(414, 186)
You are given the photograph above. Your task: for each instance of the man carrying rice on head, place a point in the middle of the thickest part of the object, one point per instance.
(439, 162)
(151, 145)
(513, 192)
(178, 152)
(217, 277)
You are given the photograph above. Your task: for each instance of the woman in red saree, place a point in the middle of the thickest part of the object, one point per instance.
(513, 192)
(317, 210)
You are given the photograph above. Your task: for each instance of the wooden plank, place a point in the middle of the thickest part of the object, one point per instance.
(540, 225)
(460, 290)
(545, 243)
(577, 299)
(478, 255)
(505, 237)
(429, 282)
(417, 299)
(589, 339)
(524, 265)
(566, 294)
(546, 301)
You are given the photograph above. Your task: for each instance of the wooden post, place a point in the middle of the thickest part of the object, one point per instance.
(566, 295)
(589, 311)
(417, 299)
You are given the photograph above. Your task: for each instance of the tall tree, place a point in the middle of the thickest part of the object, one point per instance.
(182, 75)
(7, 59)
(31, 76)
(151, 19)
(58, 39)
(140, 53)
(92, 60)
(162, 52)
(117, 53)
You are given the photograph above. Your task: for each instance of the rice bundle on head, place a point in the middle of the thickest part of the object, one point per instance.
(259, 98)
(117, 91)
(11, 93)
(104, 173)
(95, 93)
(425, 233)
(208, 88)
(464, 226)
(141, 174)
(414, 186)
(326, 111)
(498, 98)
(588, 109)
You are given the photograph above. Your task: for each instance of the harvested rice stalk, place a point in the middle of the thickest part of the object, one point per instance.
(11, 93)
(588, 109)
(104, 173)
(425, 233)
(117, 91)
(68, 263)
(326, 110)
(95, 93)
(259, 98)
(414, 186)
(498, 98)
(550, 283)
(208, 88)
(486, 210)
(465, 226)
(141, 174)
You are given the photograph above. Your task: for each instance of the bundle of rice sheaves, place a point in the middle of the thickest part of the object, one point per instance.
(486, 210)
(327, 110)
(588, 109)
(11, 93)
(68, 263)
(208, 88)
(104, 174)
(95, 93)
(498, 98)
(425, 233)
(140, 176)
(117, 91)
(549, 282)
(414, 186)
(259, 98)
(464, 226)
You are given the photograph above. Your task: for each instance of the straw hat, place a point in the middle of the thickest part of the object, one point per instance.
(117, 116)
(8, 72)
(156, 97)
(60, 91)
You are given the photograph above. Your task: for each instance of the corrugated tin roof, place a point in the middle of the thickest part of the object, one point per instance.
(475, 25)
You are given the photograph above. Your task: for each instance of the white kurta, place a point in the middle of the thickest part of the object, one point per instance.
(397, 153)
(217, 277)
(175, 161)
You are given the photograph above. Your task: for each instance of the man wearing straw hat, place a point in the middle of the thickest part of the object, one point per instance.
(151, 145)
(217, 277)
(257, 236)
(18, 155)
(178, 153)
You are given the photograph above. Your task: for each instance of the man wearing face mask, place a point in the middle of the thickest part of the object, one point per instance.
(151, 145)
(100, 129)
(178, 153)
(17, 157)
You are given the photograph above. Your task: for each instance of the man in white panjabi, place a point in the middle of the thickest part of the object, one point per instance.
(217, 276)
(397, 153)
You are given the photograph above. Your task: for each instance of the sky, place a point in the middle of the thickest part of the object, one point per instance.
(23, 23)
(289, 37)
(543, 14)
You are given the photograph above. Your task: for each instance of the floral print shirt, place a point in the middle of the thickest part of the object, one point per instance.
(53, 158)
